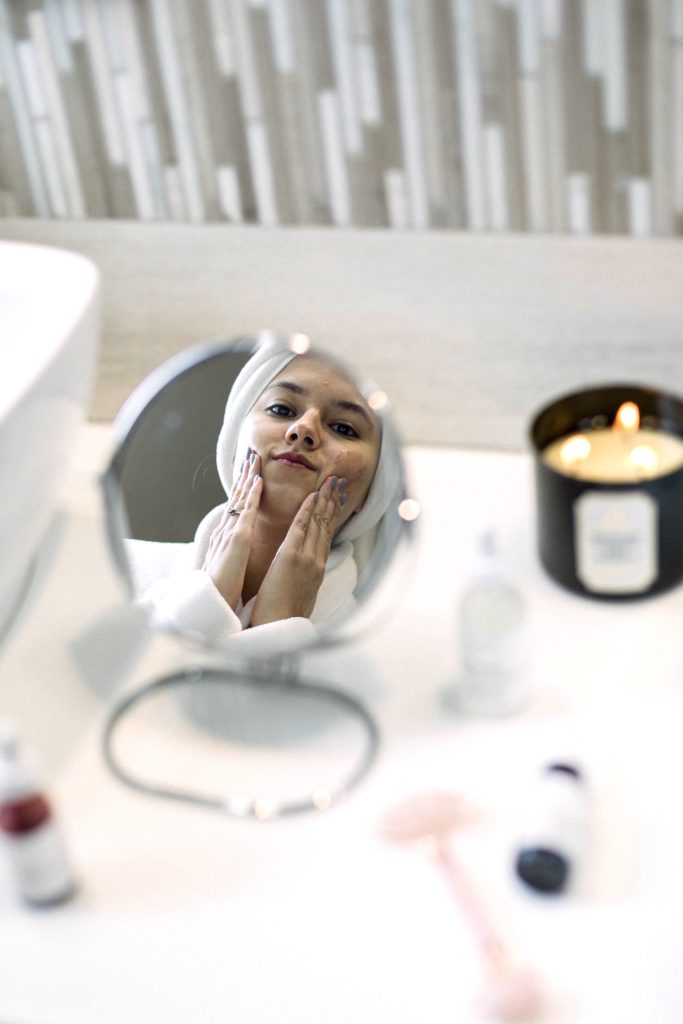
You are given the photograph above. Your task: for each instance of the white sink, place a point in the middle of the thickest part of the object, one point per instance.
(49, 328)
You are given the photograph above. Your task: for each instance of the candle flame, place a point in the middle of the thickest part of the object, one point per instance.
(644, 458)
(627, 419)
(575, 449)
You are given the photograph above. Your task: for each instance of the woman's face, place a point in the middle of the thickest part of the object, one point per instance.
(309, 424)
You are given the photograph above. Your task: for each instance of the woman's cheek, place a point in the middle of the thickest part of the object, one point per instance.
(349, 465)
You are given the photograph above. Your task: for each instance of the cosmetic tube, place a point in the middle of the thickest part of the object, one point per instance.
(554, 837)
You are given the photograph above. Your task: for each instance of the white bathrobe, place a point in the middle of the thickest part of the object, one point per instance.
(182, 597)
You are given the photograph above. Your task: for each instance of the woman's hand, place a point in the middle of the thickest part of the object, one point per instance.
(230, 543)
(291, 585)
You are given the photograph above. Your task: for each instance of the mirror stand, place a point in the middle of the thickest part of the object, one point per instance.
(205, 710)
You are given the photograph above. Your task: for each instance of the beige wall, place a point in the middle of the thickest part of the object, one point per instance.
(468, 333)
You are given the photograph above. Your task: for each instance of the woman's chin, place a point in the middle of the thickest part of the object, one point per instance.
(283, 500)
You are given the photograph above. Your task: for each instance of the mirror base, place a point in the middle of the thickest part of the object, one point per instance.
(213, 706)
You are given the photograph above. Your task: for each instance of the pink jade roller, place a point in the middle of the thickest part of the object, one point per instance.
(512, 992)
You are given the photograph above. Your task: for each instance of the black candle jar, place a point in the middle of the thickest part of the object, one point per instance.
(603, 539)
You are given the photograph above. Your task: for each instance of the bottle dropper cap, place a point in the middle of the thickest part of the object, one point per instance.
(9, 743)
(18, 766)
(485, 556)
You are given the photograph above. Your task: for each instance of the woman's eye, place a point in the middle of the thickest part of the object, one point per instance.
(346, 429)
(278, 409)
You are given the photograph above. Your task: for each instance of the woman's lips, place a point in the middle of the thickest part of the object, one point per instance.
(295, 460)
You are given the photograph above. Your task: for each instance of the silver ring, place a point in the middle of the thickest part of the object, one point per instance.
(234, 511)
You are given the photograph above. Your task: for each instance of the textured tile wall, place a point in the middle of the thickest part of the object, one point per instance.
(487, 115)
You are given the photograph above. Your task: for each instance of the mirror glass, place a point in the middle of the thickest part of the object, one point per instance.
(195, 437)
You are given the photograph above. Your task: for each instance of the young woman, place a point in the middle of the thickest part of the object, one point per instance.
(312, 485)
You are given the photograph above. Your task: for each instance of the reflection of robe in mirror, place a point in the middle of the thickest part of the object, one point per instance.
(172, 579)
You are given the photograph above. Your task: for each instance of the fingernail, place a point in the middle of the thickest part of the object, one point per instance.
(316, 495)
(341, 484)
(342, 500)
(333, 482)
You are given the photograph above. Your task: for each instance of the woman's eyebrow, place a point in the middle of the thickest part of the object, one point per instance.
(288, 385)
(354, 407)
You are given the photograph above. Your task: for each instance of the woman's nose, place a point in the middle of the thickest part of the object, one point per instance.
(305, 430)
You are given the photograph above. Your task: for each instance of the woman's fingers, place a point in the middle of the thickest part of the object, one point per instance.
(230, 544)
(252, 501)
(241, 488)
(321, 514)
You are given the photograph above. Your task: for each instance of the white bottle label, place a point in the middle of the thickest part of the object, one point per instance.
(39, 864)
(557, 817)
(494, 670)
(616, 541)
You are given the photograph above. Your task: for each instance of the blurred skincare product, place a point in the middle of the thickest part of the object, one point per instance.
(493, 639)
(37, 859)
(554, 835)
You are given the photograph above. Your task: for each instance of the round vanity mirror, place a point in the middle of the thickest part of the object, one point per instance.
(256, 498)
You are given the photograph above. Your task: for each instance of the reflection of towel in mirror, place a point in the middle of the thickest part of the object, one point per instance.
(185, 600)
(188, 601)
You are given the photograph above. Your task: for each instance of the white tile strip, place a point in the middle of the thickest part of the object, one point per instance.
(281, 36)
(639, 195)
(137, 164)
(579, 217)
(250, 92)
(470, 114)
(9, 58)
(229, 194)
(395, 191)
(369, 101)
(593, 36)
(532, 146)
(494, 150)
(615, 93)
(67, 166)
(59, 42)
(528, 41)
(262, 174)
(344, 72)
(223, 38)
(104, 90)
(155, 172)
(412, 144)
(677, 114)
(335, 163)
(178, 110)
(55, 187)
(73, 22)
(175, 196)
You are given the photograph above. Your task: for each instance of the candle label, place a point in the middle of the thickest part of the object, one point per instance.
(616, 541)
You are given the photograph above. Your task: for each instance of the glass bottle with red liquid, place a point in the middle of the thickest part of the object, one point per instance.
(33, 846)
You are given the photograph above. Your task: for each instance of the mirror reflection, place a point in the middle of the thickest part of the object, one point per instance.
(262, 485)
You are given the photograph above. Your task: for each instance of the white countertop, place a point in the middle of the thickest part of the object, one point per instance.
(184, 915)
